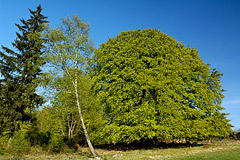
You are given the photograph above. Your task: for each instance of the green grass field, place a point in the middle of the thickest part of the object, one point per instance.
(224, 150)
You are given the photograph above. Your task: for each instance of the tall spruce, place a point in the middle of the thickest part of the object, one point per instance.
(20, 73)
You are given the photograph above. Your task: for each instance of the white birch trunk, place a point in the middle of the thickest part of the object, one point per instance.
(83, 124)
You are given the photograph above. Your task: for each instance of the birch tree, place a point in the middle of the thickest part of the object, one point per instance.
(68, 50)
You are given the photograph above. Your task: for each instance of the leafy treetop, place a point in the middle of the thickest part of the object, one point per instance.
(153, 87)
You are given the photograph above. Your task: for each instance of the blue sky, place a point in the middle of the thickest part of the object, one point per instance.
(211, 26)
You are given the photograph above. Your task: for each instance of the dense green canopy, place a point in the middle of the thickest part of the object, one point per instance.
(153, 87)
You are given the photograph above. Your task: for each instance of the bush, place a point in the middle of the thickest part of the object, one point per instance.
(19, 145)
(233, 135)
(238, 135)
(3, 143)
(56, 143)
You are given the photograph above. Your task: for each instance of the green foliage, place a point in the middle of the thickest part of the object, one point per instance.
(68, 47)
(49, 130)
(68, 52)
(56, 143)
(148, 87)
(92, 111)
(20, 73)
(153, 87)
(3, 144)
(64, 107)
(65, 111)
(20, 144)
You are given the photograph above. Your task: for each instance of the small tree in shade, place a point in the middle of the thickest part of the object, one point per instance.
(20, 73)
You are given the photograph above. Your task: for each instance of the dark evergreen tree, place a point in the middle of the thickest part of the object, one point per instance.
(20, 73)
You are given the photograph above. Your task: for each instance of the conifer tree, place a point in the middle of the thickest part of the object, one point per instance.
(20, 73)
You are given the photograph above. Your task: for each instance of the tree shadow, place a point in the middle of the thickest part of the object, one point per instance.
(147, 145)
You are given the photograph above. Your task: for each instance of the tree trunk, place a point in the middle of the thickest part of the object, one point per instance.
(83, 124)
(9, 142)
(11, 134)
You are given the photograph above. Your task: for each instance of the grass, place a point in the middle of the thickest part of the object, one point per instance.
(219, 150)
(222, 150)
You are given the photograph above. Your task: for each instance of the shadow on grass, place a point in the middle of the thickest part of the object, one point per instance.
(15, 158)
(147, 145)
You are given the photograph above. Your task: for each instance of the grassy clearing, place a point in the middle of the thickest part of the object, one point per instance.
(219, 150)
(223, 150)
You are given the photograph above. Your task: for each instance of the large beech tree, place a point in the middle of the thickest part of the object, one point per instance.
(153, 87)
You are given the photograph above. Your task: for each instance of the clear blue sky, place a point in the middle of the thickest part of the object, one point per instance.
(211, 26)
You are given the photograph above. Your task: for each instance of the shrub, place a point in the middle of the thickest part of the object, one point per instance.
(56, 143)
(3, 143)
(19, 145)
(238, 135)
